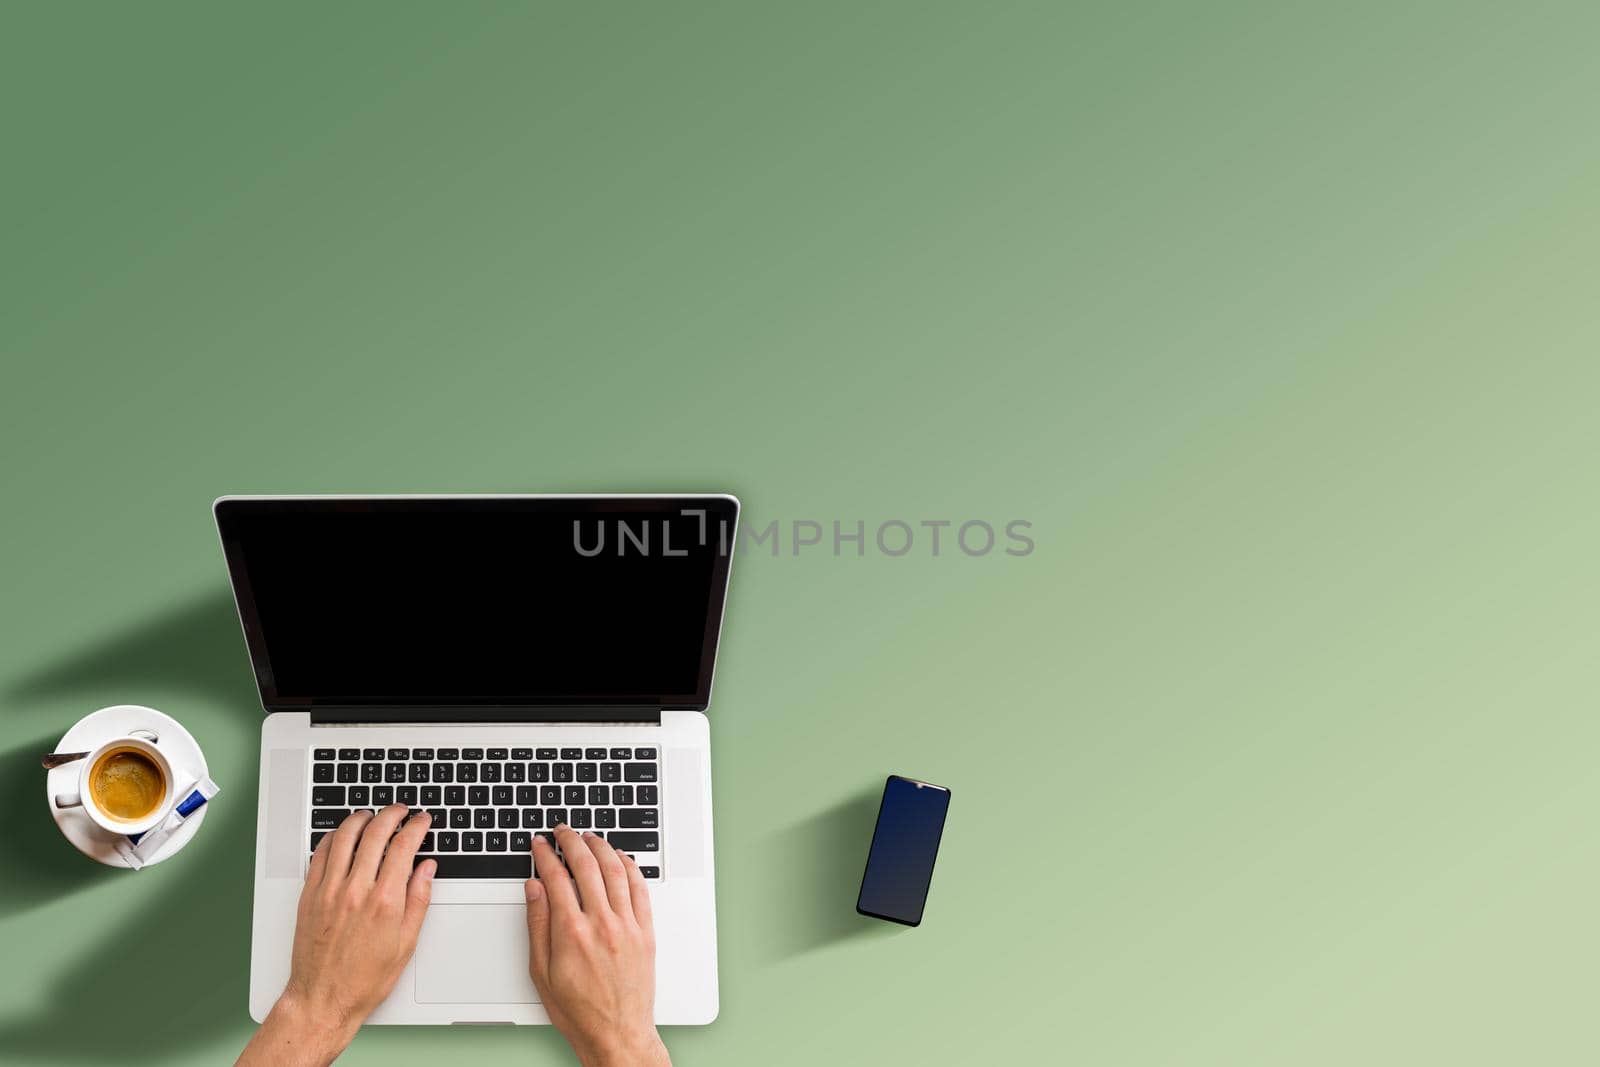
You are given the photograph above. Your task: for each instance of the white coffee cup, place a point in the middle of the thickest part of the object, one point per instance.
(144, 742)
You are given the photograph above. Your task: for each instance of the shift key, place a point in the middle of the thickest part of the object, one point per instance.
(630, 841)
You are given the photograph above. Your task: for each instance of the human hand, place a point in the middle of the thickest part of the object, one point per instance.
(360, 913)
(592, 950)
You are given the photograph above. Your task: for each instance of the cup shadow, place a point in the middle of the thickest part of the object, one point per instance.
(822, 858)
(194, 940)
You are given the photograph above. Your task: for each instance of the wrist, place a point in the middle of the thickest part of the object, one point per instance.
(640, 1048)
(317, 1031)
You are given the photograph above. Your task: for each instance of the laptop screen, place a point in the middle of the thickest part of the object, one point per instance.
(477, 602)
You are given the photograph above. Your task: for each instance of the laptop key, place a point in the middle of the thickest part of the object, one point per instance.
(611, 772)
(328, 818)
(496, 841)
(328, 796)
(432, 795)
(349, 772)
(349, 753)
(460, 818)
(448, 841)
(322, 772)
(532, 818)
(594, 753)
(497, 753)
(360, 796)
(372, 753)
(527, 794)
(489, 772)
(521, 841)
(635, 840)
(483, 818)
(444, 772)
(422, 753)
(372, 773)
(394, 773)
(316, 838)
(485, 865)
(472, 841)
(323, 753)
(522, 753)
(467, 772)
(647, 795)
(516, 772)
(407, 795)
(399, 753)
(439, 821)
(472, 753)
(554, 817)
(448, 754)
(382, 796)
(639, 818)
(650, 872)
(622, 794)
(599, 795)
(502, 795)
(455, 795)
(644, 753)
(538, 772)
(605, 818)
(418, 772)
(572, 753)
(561, 772)
(427, 842)
(549, 794)
(508, 818)
(478, 795)
(573, 796)
(544, 753)
(587, 772)
(581, 818)
(622, 753)
(639, 772)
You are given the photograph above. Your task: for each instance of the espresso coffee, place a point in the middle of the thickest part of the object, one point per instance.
(127, 784)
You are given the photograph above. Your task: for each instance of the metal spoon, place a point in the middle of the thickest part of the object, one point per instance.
(56, 759)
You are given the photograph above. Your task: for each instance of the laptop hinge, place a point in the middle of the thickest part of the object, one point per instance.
(589, 715)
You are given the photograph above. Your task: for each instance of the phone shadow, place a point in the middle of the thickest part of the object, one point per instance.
(190, 940)
(820, 861)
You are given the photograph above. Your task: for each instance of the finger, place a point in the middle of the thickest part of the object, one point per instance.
(612, 871)
(639, 894)
(343, 846)
(369, 854)
(538, 932)
(419, 891)
(319, 861)
(585, 871)
(398, 861)
(553, 876)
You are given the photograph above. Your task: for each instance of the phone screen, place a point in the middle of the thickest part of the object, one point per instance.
(904, 845)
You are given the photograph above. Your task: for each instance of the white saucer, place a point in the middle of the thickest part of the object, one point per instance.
(95, 729)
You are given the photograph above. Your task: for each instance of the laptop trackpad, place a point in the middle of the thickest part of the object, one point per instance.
(474, 954)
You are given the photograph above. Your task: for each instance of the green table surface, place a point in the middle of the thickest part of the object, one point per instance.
(1277, 323)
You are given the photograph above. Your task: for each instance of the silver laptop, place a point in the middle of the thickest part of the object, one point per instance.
(507, 663)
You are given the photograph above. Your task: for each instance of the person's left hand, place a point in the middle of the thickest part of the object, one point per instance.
(360, 913)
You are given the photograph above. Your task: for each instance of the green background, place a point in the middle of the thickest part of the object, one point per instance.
(1277, 321)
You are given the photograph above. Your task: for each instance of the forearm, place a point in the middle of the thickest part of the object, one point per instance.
(643, 1049)
(293, 1035)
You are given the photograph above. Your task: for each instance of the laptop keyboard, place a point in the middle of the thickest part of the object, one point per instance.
(487, 803)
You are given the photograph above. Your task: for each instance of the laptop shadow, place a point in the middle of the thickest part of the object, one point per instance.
(175, 975)
(820, 860)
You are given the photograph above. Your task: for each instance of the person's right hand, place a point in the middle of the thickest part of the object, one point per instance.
(592, 950)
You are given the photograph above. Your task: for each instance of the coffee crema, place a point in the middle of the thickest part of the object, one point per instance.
(127, 784)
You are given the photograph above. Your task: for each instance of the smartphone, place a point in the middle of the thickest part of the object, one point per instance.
(904, 845)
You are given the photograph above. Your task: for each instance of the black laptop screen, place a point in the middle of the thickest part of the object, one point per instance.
(480, 601)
